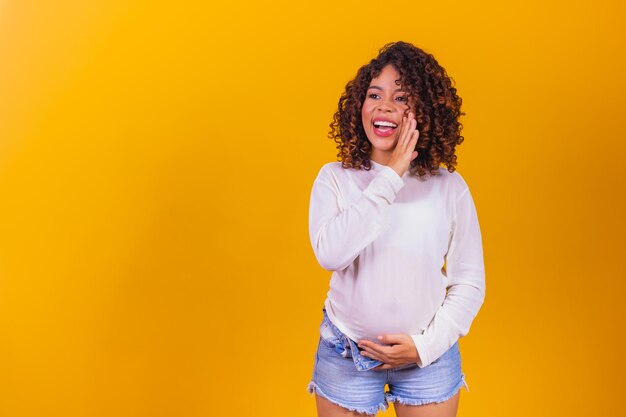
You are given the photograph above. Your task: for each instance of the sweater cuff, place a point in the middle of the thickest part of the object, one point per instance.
(422, 350)
(396, 180)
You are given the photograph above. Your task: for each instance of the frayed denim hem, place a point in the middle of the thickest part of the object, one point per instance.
(313, 387)
(393, 398)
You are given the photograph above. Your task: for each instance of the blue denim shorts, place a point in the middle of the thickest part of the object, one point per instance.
(345, 377)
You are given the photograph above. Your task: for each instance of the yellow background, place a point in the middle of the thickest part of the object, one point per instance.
(156, 160)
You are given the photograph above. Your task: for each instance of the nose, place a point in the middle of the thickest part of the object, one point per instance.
(386, 105)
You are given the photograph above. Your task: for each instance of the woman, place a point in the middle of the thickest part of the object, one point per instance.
(401, 235)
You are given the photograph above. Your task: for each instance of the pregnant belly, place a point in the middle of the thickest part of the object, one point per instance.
(370, 320)
(386, 303)
(390, 318)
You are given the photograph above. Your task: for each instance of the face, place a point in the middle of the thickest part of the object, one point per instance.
(383, 108)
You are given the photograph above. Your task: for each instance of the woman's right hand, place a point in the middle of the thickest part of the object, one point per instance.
(404, 151)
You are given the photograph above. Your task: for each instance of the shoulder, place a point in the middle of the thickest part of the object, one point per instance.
(331, 170)
(331, 166)
(455, 182)
(334, 167)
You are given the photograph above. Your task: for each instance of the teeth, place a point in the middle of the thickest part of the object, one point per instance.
(381, 123)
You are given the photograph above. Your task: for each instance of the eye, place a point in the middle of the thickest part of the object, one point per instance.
(370, 95)
(401, 98)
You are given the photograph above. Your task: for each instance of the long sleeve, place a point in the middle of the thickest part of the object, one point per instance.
(466, 285)
(339, 234)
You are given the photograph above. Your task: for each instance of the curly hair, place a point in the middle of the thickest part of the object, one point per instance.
(432, 96)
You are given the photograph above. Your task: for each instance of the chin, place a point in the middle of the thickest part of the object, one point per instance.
(383, 145)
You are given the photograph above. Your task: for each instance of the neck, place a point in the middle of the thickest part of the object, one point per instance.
(381, 159)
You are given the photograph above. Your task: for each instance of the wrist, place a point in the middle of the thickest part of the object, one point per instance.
(398, 171)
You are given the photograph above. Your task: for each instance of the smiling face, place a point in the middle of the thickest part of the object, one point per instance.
(383, 108)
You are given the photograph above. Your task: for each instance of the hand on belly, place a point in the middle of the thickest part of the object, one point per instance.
(396, 350)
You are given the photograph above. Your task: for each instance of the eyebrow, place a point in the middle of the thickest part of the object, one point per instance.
(380, 88)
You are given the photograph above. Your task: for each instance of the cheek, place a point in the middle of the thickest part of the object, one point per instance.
(365, 111)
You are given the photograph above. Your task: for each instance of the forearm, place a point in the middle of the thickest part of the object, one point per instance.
(452, 321)
(338, 235)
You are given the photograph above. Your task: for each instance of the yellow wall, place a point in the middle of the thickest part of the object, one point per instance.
(156, 160)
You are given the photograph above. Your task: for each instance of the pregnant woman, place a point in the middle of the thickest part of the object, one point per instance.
(397, 226)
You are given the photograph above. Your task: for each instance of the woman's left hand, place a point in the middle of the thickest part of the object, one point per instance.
(396, 350)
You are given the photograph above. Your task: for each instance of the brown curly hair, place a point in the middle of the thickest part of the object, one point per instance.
(432, 96)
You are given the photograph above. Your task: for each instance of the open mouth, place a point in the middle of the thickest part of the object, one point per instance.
(384, 129)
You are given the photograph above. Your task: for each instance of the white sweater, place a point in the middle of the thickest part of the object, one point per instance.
(395, 244)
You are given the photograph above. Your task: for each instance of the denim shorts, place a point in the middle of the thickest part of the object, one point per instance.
(345, 377)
